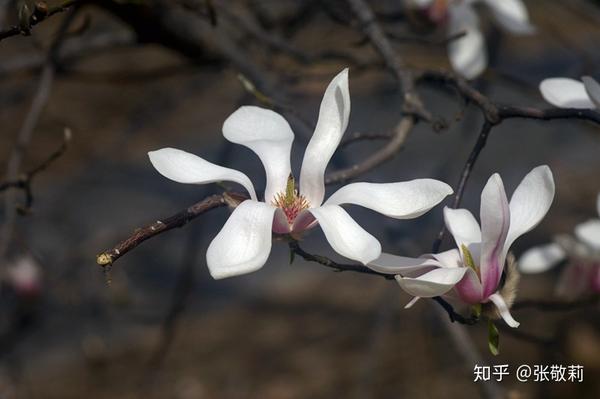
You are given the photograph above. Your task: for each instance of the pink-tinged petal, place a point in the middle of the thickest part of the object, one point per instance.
(467, 54)
(345, 236)
(469, 289)
(304, 221)
(503, 310)
(450, 258)
(244, 243)
(267, 134)
(464, 228)
(530, 203)
(280, 222)
(540, 259)
(495, 223)
(403, 200)
(394, 264)
(183, 167)
(511, 15)
(566, 93)
(333, 119)
(434, 283)
(593, 90)
(589, 233)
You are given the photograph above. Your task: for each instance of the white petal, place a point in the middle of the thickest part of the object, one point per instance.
(542, 258)
(267, 134)
(593, 90)
(244, 243)
(450, 258)
(503, 310)
(512, 15)
(333, 119)
(589, 233)
(434, 283)
(404, 200)
(345, 236)
(495, 223)
(467, 54)
(565, 93)
(184, 167)
(394, 264)
(412, 302)
(462, 225)
(530, 203)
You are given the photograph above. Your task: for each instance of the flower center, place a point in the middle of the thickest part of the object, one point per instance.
(290, 202)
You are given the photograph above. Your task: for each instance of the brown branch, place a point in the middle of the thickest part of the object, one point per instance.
(179, 219)
(40, 14)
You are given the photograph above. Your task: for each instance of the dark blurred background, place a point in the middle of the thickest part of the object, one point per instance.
(134, 76)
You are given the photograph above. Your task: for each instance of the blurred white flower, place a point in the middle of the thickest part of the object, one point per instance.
(474, 268)
(582, 252)
(571, 93)
(24, 277)
(244, 243)
(468, 54)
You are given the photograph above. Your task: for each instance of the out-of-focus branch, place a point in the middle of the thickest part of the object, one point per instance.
(387, 151)
(39, 14)
(556, 305)
(25, 181)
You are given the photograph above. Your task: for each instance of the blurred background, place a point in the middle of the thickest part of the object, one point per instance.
(127, 77)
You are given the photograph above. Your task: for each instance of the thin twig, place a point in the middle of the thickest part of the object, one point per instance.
(40, 14)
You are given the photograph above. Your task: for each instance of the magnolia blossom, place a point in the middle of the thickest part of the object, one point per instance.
(474, 268)
(244, 243)
(468, 54)
(582, 251)
(571, 93)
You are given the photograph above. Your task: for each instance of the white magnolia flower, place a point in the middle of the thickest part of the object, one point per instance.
(475, 267)
(24, 276)
(571, 93)
(468, 54)
(582, 251)
(244, 243)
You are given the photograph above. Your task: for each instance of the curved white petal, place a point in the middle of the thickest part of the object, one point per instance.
(530, 203)
(592, 88)
(495, 223)
(184, 167)
(434, 283)
(450, 258)
(565, 93)
(333, 119)
(462, 225)
(512, 15)
(503, 310)
(404, 200)
(540, 259)
(244, 243)
(468, 55)
(394, 264)
(345, 236)
(270, 136)
(589, 233)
